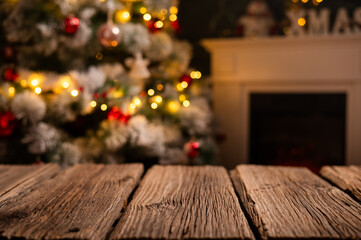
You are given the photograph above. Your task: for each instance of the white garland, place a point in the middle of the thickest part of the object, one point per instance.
(29, 107)
(161, 46)
(135, 37)
(41, 138)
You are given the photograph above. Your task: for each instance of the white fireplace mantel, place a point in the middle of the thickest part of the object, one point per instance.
(240, 67)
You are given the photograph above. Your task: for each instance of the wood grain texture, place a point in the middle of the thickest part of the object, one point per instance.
(285, 202)
(180, 202)
(348, 178)
(20, 179)
(81, 202)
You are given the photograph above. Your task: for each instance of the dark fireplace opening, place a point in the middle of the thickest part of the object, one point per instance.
(297, 129)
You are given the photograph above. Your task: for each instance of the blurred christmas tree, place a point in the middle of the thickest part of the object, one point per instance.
(101, 81)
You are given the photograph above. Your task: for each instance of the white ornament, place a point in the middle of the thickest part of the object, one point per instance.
(138, 71)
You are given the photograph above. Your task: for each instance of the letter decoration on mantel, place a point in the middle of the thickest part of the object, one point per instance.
(318, 23)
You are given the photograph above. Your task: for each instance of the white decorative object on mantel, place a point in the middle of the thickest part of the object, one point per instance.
(328, 64)
(318, 23)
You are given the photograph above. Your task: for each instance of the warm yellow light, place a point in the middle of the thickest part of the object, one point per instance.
(182, 97)
(132, 106)
(173, 10)
(23, 83)
(35, 79)
(143, 10)
(304, 1)
(173, 17)
(74, 93)
(184, 84)
(151, 92)
(186, 103)
(196, 74)
(147, 17)
(179, 87)
(93, 104)
(65, 81)
(34, 82)
(319, 1)
(164, 11)
(122, 16)
(158, 24)
(103, 107)
(137, 101)
(158, 99)
(11, 91)
(160, 87)
(118, 94)
(154, 105)
(173, 106)
(114, 43)
(37, 90)
(66, 84)
(301, 22)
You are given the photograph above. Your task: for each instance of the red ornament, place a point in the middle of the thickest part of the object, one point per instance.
(192, 149)
(116, 114)
(10, 75)
(96, 95)
(7, 123)
(104, 94)
(71, 24)
(186, 78)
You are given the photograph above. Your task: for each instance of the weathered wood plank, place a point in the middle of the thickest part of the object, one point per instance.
(179, 202)
(285, 202)
(20, 179)
(348, 178)
(81, 202)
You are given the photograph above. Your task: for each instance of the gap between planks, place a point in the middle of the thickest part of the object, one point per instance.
(348, 178)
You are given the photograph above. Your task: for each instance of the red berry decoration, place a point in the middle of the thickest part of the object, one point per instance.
(71, 24)
(7, 123)
(192, 149)
(116, 114)
(155, 25)
(10, 74)
(186, 78)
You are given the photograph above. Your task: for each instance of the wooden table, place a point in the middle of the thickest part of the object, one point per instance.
(179, 202)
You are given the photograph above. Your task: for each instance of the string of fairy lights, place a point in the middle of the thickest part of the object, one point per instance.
(65, 83)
